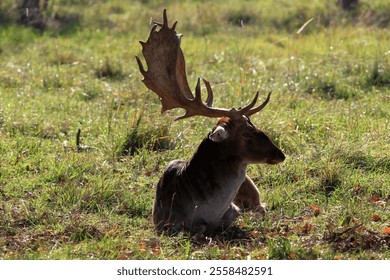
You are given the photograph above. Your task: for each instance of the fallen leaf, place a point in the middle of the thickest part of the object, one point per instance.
(142, 247)
(295, 180)
(355, 220)
(153, 243)
(375, 218)
(375, 198)
(316, 209)
(26, 153)
(386, 230)
(307, 228)
(338, 257)
(254, 233)
(292, 255)
(242, 224)
(156, 250)
(361, 229)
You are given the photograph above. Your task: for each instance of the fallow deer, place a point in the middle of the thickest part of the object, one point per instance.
(207, 192)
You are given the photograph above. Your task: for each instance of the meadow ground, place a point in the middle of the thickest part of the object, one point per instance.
(91, 198)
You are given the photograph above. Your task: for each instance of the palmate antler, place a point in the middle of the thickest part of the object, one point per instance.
(166, 76)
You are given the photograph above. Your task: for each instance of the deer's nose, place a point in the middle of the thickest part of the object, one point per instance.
(279, 154)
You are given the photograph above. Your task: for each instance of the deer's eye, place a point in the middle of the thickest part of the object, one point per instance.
(246, 134)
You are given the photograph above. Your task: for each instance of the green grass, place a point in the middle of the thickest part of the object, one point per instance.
(330, 113)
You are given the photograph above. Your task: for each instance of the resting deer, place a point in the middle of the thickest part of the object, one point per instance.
(207, 192)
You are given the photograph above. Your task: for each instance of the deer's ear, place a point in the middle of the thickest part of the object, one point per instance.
(219, 134)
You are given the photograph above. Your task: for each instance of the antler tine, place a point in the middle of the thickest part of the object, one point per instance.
(250, 105)
(209, 100)
(174, 26)
(154, 27)
(165, 21)
(249, 111)
(198, 95)
(165, 17)
(140, 65)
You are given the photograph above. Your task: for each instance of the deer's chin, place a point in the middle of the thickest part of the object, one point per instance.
(275, 160)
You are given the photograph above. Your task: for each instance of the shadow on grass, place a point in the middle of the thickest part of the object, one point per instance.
(355, 238)
(358, 160)
(5, 18)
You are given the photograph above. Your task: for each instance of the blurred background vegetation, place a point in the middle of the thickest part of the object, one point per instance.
(201, 17)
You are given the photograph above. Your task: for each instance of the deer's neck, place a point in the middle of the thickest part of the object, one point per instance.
(218, 165)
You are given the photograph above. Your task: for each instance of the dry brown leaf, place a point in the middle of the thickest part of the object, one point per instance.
(307, 228)
(254, 233)
(316, 209)
(295, 180)
(361, 229)
(375, 218)
(242, 224)
(375, 198)
(26, 153)
(156, 250)
(153, 244)
(142, 247)
(355, 220)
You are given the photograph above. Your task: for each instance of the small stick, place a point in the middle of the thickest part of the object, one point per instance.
(338, 234)
(78, 140)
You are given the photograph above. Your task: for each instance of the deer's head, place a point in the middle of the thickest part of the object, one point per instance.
(243, 139)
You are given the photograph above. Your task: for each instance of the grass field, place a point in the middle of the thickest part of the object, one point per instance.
(92, 198)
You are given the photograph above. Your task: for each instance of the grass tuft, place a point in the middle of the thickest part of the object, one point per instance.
(279, 248)
(140, 138)
(107, 70)
(380, 75)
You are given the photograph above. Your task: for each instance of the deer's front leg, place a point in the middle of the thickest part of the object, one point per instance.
(248, 196)
(229, 216)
